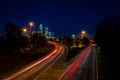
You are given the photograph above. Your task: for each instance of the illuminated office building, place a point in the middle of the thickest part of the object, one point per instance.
(41, 29)
(46, 32)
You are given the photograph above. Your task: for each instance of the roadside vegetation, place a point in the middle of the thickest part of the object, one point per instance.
(108, 41)
(73, 54)
(11, 63)
(101, 66)
(18, 50)
(74, 51)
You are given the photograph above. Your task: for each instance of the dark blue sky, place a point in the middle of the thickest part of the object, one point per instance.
(61, 16)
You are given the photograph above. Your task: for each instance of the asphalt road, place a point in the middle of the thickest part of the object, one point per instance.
(87, 69)
(83, 67)
(54, 69)
(53, 66)
(37, 65)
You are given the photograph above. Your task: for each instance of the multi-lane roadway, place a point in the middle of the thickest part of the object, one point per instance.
(54, 67)
(83, 67)
(37, 65)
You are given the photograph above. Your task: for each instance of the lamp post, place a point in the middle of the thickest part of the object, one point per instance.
(31, 24)
(24, 31)
(83, 32)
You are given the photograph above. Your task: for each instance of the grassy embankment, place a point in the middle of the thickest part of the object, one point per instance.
(73, 54)
(102, 67)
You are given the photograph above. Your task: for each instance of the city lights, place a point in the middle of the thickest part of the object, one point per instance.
(83, 32)
(24, 30)
(31, 24)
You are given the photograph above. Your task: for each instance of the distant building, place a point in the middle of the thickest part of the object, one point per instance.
(49, 34)
(53, 35)
(46, 32)
(41, 29)
(33, 32)
(73, 36)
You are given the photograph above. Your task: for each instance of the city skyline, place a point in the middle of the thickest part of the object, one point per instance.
(64, 17)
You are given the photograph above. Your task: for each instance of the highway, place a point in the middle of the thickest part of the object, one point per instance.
(37, 65)
(54, 69)
(83, 67)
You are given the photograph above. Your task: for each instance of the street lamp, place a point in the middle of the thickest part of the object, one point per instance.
(24, 30)
(31, 24)
(83, 32)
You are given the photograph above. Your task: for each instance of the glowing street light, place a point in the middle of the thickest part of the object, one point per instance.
(31, 24)
(24, 30)
(83, 32)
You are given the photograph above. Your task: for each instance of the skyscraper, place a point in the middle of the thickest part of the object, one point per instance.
(41, 29)
(46, 32)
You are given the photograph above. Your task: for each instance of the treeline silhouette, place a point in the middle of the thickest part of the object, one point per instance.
(12, 41)
(108, 39)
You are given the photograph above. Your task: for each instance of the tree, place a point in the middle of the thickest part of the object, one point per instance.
(10, 29)
(85, 41)
(66, 40)
(37, 40)
(14, 40)
(107, 37)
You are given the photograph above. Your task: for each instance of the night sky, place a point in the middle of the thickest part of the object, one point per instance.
(61, 16)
